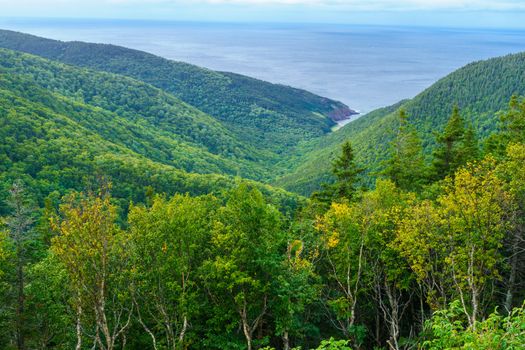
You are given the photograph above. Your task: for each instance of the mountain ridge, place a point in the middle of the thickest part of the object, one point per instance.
(58, 142)
(270, 116)
(262, 123)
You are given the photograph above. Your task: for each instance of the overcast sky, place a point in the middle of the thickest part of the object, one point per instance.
(469, 13)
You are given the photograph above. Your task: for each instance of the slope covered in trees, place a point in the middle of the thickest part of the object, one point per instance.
(161, 126)
(480, 90)
(63, 126)
(440, 267)
(268, 116)
(275, 119)
(120, 230)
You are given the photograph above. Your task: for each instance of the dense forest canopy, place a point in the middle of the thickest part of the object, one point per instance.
(480, 90)
(268, 116)
(132, 217)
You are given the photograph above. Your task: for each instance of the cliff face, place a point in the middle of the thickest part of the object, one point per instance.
(341, 113)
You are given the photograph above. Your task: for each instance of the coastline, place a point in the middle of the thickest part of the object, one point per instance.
(343, 122)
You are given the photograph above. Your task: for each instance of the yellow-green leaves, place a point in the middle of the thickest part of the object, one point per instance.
(473, 213)
(88, 236)
(453, 244)
(419, 239)
(95, 253)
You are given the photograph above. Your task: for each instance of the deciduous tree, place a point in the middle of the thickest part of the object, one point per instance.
(94, 251)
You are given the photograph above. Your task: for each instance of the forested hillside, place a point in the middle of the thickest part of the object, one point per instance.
(480, 90)
(435, 266)
(130, 219)
(267, 116)
(164, 128)
(63, 126)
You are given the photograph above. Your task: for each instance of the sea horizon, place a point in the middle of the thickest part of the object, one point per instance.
(363, 66)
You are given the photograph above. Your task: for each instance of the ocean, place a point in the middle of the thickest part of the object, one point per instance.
(366, 67)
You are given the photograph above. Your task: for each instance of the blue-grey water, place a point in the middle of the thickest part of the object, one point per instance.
(365, 67)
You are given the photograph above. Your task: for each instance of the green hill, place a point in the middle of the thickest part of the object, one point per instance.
(268, 116)
(206, 122)
(63, 127)
(480, 89)
(150, 121)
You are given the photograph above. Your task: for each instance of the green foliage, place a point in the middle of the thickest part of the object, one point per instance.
(167, 243)
(480, 89)
(19, 226)
(456, 145)
(48, 299)
(246, 241)
(233, 263)
(94, 253)
(4, 251)
(309, 165)
(129, 113)
(448, 331)
(514, 120)
(405, 166)
(6, 267)
(346, 174)
(361, 260)
(333, 344)
(456, 241)
(56, 144)
(266, 116)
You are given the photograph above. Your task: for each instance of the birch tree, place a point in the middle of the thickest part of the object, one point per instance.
(94, 252)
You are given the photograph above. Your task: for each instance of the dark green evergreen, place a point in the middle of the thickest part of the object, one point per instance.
(456, 146)
(346, 173)
(406, 165)
(514, 120)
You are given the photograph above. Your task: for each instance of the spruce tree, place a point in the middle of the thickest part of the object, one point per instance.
(406, 165)
(514, 121)
(469, 149)
(511, 129)
(457, 145)
(346, 173)
(446, 156)
(19, 226)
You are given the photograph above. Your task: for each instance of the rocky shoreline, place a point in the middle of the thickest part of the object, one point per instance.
(342, 113)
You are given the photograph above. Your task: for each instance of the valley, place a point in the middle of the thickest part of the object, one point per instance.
(147, 203)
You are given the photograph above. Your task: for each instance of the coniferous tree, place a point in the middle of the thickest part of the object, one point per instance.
(19, 229)
(470, 147)
(514, 121)
(447, 157)
(346, 172)
(457, 145)
(512, 128)
(406, 165)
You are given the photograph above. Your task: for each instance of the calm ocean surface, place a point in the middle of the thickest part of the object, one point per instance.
(365, 67)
